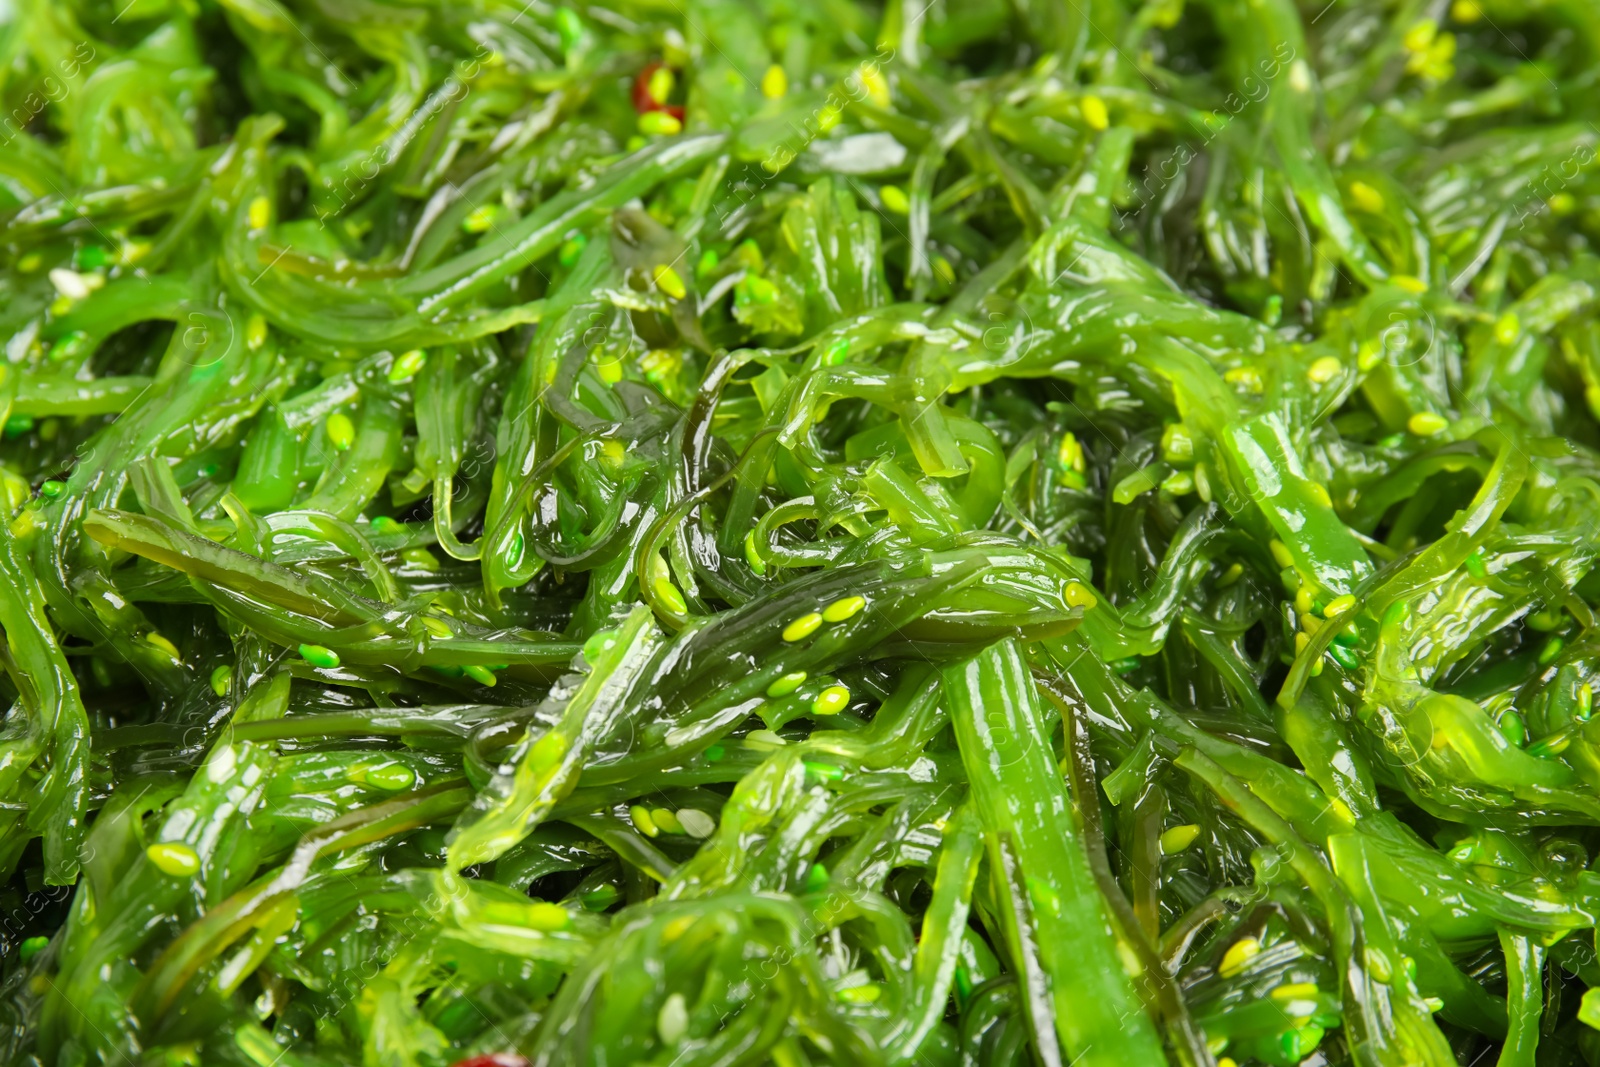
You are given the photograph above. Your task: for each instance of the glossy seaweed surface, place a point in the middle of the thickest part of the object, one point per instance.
(799, 532)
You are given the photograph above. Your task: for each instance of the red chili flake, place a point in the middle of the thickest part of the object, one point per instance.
(496, 1059)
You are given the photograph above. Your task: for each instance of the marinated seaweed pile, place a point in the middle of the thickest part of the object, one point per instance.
(799, 532)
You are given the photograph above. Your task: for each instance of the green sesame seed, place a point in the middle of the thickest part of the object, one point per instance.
(391, 776)
(1178, 838)
(786, 684)
(816, 878)
(571, 249)
(670, 597)
(341, 431)
(318, 656)
(753, 557)
(407, 364)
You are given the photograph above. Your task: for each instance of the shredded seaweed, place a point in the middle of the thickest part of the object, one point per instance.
(799, 532)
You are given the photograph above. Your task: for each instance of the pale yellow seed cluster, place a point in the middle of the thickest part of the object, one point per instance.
(1432, 54)
(1246, 378)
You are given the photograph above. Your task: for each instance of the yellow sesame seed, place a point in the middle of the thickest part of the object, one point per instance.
(659, 123)
(341, 431)
(1070, 454)
(668, 281)
(642, 820)
(873, 81)
(163, 644)
(1238, 955)
(1300, 76)
(1324, 370)
(831, 701)
(844, 608)
(547, 917)
(1178, 838)
(1280, 552)
(480, 218)
(1426, 424)
(1366, 197)
(1420, 35)
(1339, 605)
(669, 596)
(174, 858)
(803, 627)
(1507, 328)
(662, 82)
(774, 83)
(1094, 113)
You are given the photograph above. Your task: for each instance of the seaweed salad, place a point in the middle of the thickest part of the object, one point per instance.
(880, 533)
